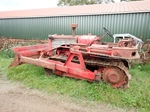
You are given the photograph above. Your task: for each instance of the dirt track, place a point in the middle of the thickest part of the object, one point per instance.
(14, 97)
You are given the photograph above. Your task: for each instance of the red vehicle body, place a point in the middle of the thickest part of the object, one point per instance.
(81, 57)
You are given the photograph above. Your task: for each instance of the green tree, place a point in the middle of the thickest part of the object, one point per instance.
(79, 2)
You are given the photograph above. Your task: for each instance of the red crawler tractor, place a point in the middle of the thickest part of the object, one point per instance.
(81, 57)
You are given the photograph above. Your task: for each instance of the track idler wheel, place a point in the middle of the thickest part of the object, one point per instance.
(114, 76)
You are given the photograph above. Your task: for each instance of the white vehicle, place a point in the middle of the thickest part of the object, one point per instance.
(124, 40)
(138, 42)
(124, 36)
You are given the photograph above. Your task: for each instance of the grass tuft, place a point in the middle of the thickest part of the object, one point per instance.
(137, 96)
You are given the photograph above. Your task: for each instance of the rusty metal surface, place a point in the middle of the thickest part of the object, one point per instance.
(114, 76)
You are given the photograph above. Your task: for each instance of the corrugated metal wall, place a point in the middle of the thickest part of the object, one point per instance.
(137, 24)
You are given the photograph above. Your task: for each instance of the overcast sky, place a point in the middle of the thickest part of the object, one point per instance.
(6, 5)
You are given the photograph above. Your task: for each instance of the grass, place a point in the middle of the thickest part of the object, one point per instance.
(137, 96)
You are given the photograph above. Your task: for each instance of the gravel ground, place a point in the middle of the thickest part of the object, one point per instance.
(15, 97)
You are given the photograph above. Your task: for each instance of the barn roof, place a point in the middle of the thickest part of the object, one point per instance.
(112, 8)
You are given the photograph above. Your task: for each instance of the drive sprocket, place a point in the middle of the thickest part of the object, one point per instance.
(114, 76)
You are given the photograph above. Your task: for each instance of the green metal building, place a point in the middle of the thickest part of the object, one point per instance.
(124, 17)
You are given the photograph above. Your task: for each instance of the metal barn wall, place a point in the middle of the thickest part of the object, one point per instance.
(137, 24)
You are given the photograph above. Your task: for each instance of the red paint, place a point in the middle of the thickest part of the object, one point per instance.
(88, 39)
(73, 64)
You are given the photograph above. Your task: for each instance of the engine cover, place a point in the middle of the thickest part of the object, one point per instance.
(88, 39)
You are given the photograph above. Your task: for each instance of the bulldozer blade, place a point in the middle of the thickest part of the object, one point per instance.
(15, 62)
(28, 51)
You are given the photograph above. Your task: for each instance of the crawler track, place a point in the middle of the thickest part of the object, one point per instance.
(105, 63)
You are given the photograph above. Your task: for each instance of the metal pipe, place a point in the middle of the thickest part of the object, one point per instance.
(74, 26)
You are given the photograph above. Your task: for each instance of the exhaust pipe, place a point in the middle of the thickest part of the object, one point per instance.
(73, 27)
